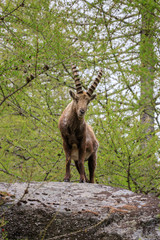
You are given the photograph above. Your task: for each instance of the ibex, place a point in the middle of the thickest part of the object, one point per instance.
(79, 141)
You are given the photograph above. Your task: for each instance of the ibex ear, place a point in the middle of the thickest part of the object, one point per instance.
(73, 95)
(93, 97)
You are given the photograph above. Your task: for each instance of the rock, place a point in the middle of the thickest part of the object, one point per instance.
(74, 211)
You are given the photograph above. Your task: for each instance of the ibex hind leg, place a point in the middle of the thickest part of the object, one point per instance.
(68, 174)
(77, 166)
(92, 166)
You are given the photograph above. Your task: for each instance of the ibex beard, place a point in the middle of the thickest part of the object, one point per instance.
(79, 141)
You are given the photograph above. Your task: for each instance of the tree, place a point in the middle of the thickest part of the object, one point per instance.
(31, 89)
(148, 61)
(122, 39)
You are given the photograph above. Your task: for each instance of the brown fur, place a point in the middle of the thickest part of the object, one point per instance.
(79, 141)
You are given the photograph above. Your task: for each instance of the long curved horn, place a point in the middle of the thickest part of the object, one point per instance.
(77, 80)
(95, 83)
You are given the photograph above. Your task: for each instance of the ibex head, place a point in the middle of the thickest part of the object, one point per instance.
(81, 98)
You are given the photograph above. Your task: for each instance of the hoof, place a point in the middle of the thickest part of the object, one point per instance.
(66, 180)
(87, 181)
(82, 181)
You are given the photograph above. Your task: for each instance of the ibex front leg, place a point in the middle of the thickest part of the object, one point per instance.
(82, 151)
(68, 161)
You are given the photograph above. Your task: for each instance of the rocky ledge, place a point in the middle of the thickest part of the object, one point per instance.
(73, 211)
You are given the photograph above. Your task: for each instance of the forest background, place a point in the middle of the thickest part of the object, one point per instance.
(39, 40)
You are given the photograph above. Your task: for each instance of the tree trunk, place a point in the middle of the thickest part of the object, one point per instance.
(147, 58)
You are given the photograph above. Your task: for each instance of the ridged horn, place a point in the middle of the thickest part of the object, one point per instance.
(95, 83)
(77, 79)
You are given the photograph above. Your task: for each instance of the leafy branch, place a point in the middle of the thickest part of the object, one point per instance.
(20, 5)
(28, 80)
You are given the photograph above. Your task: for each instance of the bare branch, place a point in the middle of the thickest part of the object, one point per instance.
(28, 80)
(20, 5)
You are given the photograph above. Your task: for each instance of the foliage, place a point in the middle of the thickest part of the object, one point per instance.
(3, 233)
(39, 41)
